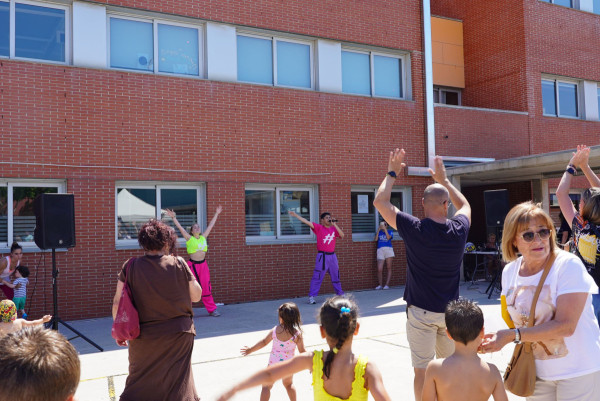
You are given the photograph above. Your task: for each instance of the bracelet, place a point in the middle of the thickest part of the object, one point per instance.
(571, 170)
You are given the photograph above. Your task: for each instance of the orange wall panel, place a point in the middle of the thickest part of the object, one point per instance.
(448, 54)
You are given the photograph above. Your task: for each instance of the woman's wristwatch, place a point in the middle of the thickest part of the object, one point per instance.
(517, 336)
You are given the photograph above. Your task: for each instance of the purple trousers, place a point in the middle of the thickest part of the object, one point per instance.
(326, 262)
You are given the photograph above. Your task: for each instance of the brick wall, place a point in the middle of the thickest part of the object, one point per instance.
(480, 133)
(95, 127)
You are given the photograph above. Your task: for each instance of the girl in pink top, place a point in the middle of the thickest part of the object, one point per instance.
(286, 337)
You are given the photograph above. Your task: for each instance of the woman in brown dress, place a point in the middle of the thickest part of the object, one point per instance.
(163, 289)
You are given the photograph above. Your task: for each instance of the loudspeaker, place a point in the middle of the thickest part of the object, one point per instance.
(54, 221)
(496, 207)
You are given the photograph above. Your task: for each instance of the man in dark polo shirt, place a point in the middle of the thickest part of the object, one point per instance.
(434, 252)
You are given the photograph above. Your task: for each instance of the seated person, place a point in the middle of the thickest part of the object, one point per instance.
(493, 262)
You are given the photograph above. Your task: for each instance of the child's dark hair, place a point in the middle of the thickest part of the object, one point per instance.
(325, 214)
(15, 246)
(290, 315)
(338, 316)
(464, 320)
(23, 270)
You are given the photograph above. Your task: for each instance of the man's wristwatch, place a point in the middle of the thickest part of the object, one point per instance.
(517, 336)
(392, 174)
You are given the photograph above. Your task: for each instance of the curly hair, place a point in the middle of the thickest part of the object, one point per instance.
(156, 235)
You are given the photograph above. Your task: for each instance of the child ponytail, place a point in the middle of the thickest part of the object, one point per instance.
(338, 317)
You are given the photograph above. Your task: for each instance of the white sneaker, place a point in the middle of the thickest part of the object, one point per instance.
(311, 300)
(378, 287)
(386, 288)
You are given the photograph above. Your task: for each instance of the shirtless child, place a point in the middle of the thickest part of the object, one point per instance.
(463, 376)
(9, 321)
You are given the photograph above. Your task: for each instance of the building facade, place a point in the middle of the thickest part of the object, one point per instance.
(265, 107)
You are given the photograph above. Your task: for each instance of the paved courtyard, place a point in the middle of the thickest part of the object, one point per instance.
(217, 363)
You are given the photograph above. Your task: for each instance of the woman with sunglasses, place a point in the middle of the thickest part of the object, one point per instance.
(585, 224)
(565, 336)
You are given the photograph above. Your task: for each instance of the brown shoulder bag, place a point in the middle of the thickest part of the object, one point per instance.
(520, 374)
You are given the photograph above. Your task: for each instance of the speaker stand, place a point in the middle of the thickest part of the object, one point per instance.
(55, 317)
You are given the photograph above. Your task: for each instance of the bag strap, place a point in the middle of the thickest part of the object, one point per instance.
(547, 268)
(127, 267)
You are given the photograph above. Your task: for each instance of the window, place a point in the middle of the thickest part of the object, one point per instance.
(446, 96)
(269, 60)
(372, 74)
(565, 3)
(365, 218)
(267, 210)
(560, 98)
(598, 96)
(575, 198)
(137, 203)
(39, 31)
(154, 46)
(17, 222)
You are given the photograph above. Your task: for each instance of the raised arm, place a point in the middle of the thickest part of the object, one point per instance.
(206, 232)
(38, 322)
(171, 214)
(272, 373)
(302, 219)
(384, 193)
(562, 192)
(581, 161)
(458, 200)
(261, 344)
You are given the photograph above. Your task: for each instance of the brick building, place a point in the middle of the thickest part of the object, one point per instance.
(264, 107)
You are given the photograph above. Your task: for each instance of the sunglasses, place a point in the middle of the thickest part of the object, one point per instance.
(529, 236)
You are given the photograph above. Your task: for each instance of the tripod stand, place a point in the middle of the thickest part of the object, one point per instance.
(55, 317)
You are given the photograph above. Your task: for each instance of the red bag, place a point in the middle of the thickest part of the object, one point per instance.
(127, 322)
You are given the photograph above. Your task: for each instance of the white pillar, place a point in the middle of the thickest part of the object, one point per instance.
(590, 100)
(221, 52)
(329, 66)
(89, 35)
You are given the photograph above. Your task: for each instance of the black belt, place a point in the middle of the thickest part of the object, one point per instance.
(325, 253)
(197, 262)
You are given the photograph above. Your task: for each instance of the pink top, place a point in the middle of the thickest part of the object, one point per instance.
(282, 350)
(325, 237)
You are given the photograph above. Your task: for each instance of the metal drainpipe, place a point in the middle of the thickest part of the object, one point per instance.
(428, 64)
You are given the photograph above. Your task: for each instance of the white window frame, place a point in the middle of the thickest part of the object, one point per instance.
(155, 22)
(157, 186)
(278, 237)
(574, 4)
(12, 32)
(10, 184)
(274, 40)
(406, 192)
(442, 90)
(372, 54)
(565, 81)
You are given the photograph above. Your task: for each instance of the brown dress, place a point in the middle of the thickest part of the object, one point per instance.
(160, 358)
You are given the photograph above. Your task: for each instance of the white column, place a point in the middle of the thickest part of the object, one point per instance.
(329, 66)
(221, 52)
(590, 100)
(586, 5)
(89, 35)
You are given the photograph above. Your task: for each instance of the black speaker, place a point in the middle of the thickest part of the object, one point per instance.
(496, 207)
(54, 221)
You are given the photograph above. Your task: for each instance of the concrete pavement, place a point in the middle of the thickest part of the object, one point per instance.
(217, 363)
